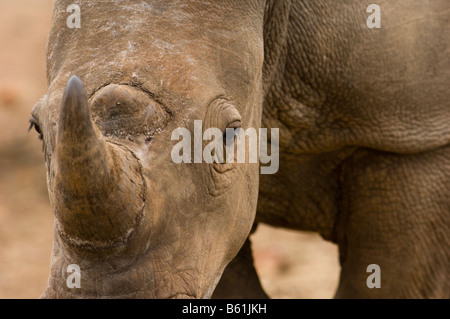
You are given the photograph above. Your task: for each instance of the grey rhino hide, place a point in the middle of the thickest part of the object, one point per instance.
(364, 128)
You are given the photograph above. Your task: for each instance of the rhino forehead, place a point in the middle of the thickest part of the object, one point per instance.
(192, 39)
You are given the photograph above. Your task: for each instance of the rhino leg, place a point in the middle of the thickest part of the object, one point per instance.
(395, 211)
(240, 280)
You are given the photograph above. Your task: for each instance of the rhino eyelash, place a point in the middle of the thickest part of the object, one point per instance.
(36, 127)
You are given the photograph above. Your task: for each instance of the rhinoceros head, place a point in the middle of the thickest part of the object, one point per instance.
(136, 223)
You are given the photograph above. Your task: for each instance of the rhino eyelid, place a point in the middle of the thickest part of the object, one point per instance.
(235, 124)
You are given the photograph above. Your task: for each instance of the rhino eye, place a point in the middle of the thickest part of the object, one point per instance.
(236, 125)
(35, 125)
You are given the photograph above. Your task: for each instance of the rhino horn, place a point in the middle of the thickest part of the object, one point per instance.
(99, 198)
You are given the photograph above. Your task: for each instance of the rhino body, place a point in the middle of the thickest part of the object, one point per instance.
(364, 131)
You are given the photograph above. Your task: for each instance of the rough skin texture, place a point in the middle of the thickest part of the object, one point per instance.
(364, 127)
(364, 143)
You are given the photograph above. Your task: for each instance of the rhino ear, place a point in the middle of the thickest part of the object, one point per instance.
(76, 138)
(99, 191)
(75, 128)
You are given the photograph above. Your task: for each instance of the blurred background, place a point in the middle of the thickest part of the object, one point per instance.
(290, 264)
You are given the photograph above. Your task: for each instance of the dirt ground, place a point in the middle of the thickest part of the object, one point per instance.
(291, 264)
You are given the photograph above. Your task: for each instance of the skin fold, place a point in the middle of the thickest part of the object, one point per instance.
(364, 150)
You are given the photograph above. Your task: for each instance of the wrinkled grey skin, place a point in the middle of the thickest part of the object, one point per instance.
(364, 143)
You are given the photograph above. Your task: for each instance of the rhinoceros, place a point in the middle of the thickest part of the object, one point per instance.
(364, 129)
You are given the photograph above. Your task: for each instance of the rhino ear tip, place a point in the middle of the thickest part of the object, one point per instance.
(75, 82)
(74, 78)
(74, 90)
(75, 103)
